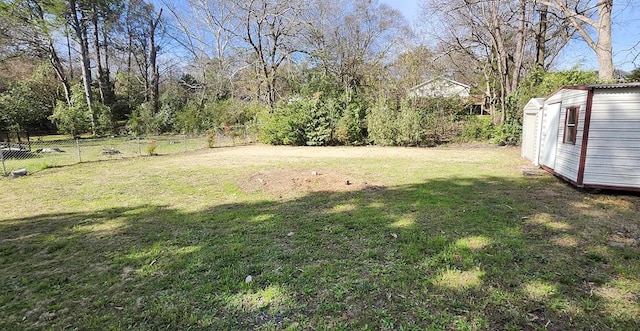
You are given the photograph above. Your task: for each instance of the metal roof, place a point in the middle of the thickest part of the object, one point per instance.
(613, 86)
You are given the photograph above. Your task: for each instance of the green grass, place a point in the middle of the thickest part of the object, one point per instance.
(91, 149)
(448, 238)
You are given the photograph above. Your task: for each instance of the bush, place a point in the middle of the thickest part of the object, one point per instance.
(212, 138)
(381, 124)
(507, 133)
(321, 122)
(198, 117)
(104, 120)
(233, 112)
(351, 127)
(410, 123)
(73, 120)
(195, 118)
(307, 121)
(142, 121)
(477, 128)
(287, 123)
(443, 118)
(151, 148)
(76, 119)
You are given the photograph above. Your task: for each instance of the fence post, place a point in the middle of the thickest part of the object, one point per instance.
(4, 169)
(78, 148)
(139, 147)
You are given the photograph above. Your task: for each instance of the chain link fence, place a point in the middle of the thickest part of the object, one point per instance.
(36, 154)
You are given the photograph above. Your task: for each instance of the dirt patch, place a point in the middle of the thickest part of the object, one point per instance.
(277, 182)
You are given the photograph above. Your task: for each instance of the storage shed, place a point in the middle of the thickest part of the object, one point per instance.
(531, 130)
(590, 136)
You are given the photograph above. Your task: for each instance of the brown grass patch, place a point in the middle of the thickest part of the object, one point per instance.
(277, 182)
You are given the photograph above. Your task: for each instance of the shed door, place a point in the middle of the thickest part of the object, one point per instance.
(528, 136)
(550, 135)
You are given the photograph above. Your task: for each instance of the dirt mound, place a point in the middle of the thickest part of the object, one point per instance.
(307, 180)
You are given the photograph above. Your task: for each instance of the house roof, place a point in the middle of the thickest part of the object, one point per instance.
(439, 78)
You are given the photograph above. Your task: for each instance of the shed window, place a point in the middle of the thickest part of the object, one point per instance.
(570, 129)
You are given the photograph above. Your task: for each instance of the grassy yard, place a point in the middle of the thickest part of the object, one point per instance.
(273, 238)
(70, 151)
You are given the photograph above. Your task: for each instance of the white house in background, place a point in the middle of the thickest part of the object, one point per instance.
(440, 87)
(590, 135)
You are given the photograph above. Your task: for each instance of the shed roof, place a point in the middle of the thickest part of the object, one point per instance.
(613, 86)
(595, 87)
(534, 105)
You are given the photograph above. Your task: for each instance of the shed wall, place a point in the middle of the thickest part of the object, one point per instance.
(613, 151)
(567, 161)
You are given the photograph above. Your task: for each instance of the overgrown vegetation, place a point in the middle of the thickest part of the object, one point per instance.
(441, 238)
(321, 121)
(328, 72)
(78, 118)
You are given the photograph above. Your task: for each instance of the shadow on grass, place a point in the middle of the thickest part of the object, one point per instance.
(457, 253)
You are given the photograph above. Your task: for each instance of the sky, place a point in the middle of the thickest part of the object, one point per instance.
(625, 36)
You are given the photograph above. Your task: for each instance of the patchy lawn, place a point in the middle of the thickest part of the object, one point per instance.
(316, 238)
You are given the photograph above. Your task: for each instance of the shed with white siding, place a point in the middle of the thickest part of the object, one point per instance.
(531, 129)
(590, 136)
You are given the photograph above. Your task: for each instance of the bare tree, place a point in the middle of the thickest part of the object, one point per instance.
(350, 39)
(270, 28)
(203, 30)
(550, 33)
(104, 15)
(142, 28)
(482, 31)
(581, 15)
(501, 40)
(518, 57)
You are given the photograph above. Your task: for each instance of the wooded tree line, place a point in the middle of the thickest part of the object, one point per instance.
(305, 72)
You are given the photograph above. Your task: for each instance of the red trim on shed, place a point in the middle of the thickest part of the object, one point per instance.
(610, 187)
(568, 180)
(585, 138)
(570, 87)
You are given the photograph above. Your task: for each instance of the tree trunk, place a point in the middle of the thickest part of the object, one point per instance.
(129, 55)
(604, 47)
(57, 67)
(55, 60)
(153, 54)
(96, 49)
(80, 30)
(109, 88)
(541, 37)
(519, 52)
(66, 32)
(501, 57)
